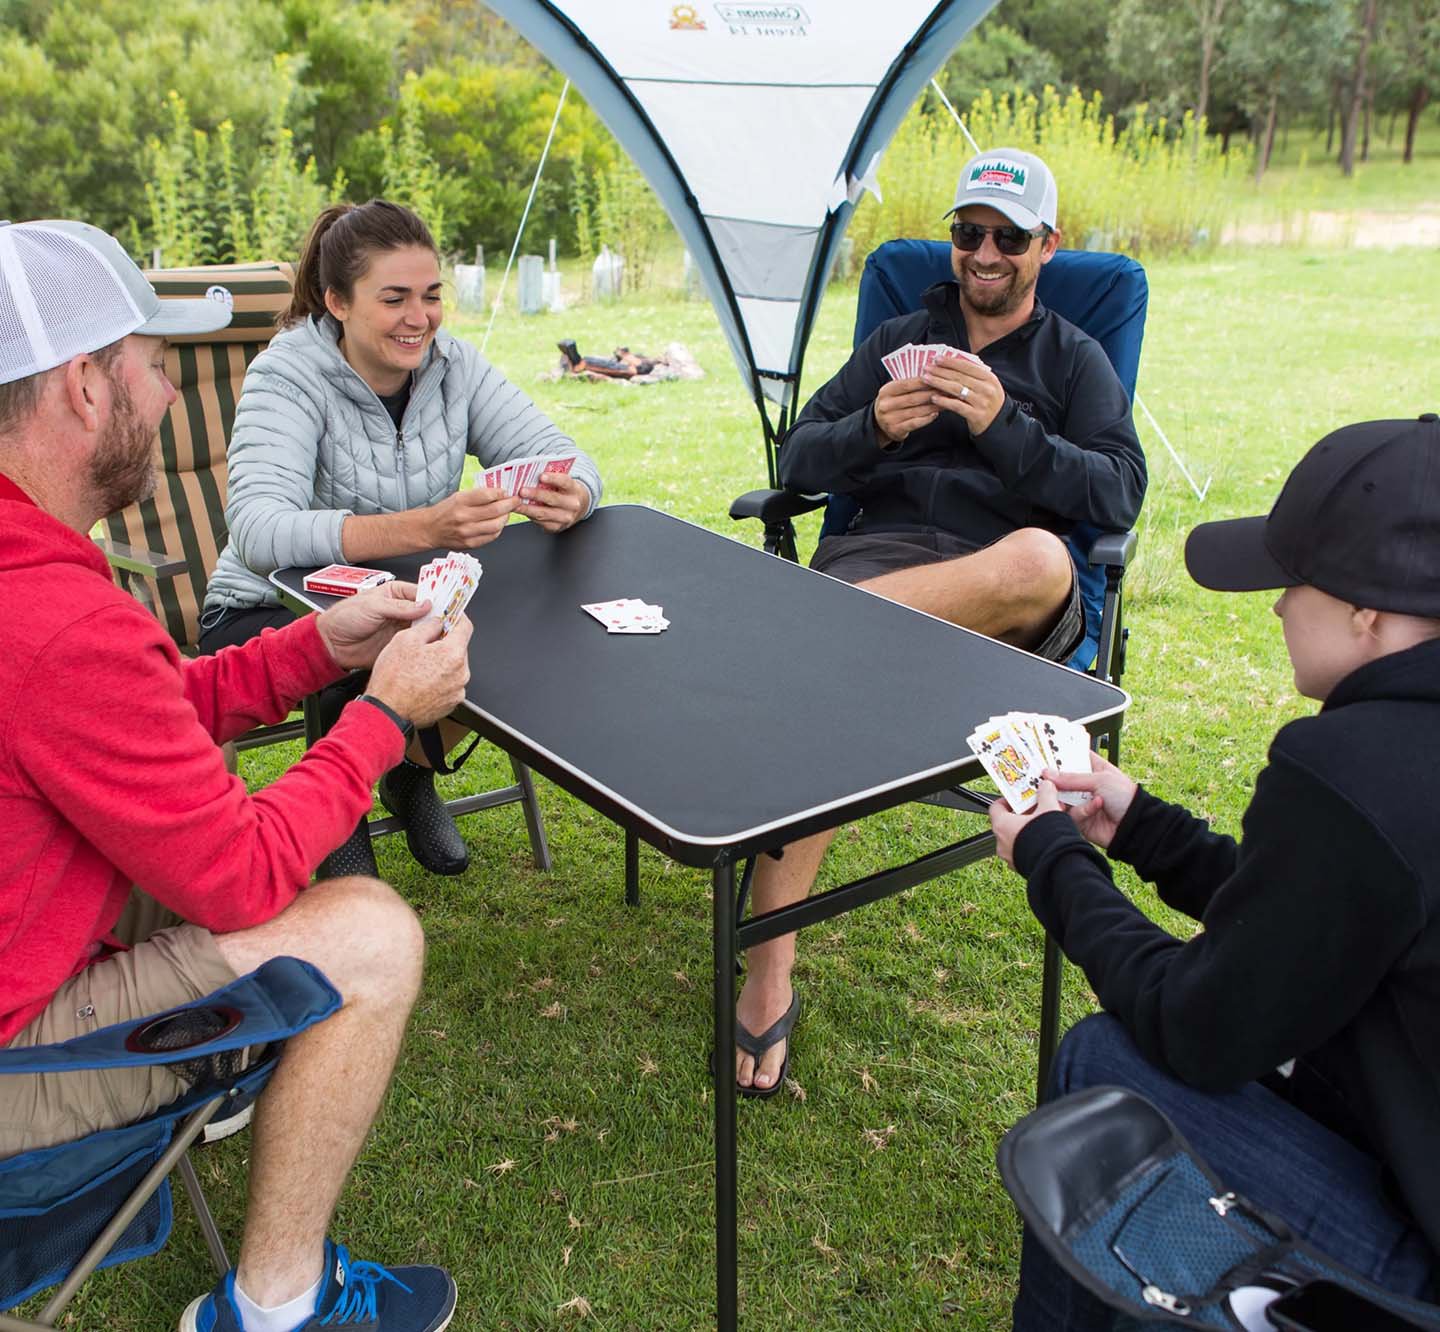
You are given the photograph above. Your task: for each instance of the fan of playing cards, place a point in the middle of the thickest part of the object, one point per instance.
(448, 584)
(628, 615)
(1016, 748)
(915, 358)
(513, 476)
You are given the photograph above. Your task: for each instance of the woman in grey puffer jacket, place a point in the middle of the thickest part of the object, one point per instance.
(349, 444)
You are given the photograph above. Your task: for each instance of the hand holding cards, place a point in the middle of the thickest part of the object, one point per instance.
(914, 359)
(1017, 747)
(448, 584)
(514, 476)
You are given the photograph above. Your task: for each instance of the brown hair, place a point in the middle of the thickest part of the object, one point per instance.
(339, 248)
(20, 397)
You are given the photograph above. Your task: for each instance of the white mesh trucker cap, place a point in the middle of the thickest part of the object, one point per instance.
(67, 288)
(1015, 183)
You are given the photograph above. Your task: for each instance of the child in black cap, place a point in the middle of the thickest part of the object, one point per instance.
(1295, 1040)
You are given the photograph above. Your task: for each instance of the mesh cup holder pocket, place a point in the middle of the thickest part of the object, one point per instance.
(188, 1027)
(1180, 1242)
(54, 1202)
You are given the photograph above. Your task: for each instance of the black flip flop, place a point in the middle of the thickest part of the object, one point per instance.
(756, 1046)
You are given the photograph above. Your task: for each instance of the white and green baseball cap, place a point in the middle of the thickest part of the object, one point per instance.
(67, 288)
(1012, 182)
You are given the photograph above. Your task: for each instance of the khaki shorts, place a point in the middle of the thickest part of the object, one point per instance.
(170, 968)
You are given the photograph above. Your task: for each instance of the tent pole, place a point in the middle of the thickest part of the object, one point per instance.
(524, 217)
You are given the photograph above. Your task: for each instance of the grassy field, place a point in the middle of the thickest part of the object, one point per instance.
(547, 1136)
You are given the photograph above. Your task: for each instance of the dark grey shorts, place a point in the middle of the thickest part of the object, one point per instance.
(856, 557)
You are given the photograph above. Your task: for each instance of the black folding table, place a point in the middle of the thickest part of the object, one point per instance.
(780, 702)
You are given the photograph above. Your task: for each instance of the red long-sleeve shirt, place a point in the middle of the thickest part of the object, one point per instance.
(111, 772)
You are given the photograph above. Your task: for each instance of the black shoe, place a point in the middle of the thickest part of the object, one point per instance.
(354, 855)
(408, 792)
(571, 353)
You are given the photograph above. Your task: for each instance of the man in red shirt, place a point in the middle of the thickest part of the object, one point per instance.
(111, 775)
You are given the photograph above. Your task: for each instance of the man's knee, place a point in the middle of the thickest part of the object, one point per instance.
(1039, 562)
(373, 938)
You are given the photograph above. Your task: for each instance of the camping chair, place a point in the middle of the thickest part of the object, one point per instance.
(164, 548)
(68, 1210)
(1119, 1199)
(1106, 296)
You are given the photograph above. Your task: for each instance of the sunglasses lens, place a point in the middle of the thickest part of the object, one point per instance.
(1008, 240)
(967, 236)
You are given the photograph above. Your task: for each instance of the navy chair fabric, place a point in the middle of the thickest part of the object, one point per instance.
(55, 1201)
(1106, 295)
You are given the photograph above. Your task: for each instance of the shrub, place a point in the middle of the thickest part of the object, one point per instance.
(1149, 187)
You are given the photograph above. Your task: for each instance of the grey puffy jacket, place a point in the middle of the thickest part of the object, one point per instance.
(312, 443)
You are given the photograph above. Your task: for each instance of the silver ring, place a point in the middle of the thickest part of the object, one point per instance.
(964, 393)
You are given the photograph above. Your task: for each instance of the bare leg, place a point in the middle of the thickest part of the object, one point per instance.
(766, 995)
(313, 1117)
(1012, 590)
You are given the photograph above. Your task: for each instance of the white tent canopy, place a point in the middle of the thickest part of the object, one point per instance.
(758, 125)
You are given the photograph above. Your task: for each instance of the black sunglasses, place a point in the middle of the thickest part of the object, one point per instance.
(1011, 240)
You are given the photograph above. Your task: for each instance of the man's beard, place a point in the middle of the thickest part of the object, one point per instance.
(999, 301)
(122, 469)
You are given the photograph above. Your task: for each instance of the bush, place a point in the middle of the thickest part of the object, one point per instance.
(1149, 188)
(615, 206)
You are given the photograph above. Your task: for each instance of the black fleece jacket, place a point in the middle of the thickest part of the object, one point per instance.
(1062, 450)
(1321, 937)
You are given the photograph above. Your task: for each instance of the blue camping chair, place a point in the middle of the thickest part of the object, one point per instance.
(68, 1210)
(1118, 1198)
(1106, 295)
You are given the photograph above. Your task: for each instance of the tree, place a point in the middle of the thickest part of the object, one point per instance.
(997, 59)
(1357, 86)
(1406, 62)
(1278, 59)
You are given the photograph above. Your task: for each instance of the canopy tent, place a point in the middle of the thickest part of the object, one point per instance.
(758, 125)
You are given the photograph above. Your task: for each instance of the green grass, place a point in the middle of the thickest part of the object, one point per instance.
(547, 1136)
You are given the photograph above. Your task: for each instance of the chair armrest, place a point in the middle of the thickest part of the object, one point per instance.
(1116, 549)
(774, 506)
(132, 559)
(281, 997)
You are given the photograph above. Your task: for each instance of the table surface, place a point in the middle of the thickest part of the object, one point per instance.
(779, 702)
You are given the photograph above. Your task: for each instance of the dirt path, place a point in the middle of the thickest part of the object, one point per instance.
(1357, 229)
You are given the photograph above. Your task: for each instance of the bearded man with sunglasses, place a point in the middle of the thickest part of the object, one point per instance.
(968, 476)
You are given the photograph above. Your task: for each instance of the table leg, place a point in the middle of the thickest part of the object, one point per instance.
(632, 868)
(1050, 991)
(725, 1220)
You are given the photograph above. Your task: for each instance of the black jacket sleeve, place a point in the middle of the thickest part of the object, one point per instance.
(1295, 940)
(1092, 468)
(834, 445)
(1180, 854)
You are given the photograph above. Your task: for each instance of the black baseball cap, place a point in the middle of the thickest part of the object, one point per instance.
(1359, 518)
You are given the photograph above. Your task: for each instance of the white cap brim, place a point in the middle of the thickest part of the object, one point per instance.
(178, 317)
(1017, 213)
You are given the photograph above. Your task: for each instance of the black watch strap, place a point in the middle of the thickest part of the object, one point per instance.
(407, 727)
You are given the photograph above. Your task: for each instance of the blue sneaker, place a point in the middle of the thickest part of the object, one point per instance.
(364, 1297)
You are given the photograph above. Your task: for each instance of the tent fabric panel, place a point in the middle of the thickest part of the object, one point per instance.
(815, 41)
(541, 25)
(764, 260)
(771, 156)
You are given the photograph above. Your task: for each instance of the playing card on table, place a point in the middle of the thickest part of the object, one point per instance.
(344, 580)
(447, 584)
(628, 615)
(514, 476)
